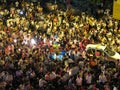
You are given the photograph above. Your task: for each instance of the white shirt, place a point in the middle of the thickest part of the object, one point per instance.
(52, 75)
(89, 79)
(102, 78)
(79, 81)
(41, 82)
(115, 88)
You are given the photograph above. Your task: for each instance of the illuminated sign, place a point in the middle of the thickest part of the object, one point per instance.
(116, 9)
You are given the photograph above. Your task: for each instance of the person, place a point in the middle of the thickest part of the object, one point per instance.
(88, 79)
(79, 82)
(67, 4)
(71, 83)
(42, 83)
(29, 36)
(102, 78)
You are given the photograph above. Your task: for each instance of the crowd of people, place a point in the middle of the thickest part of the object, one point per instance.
(46, 51)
